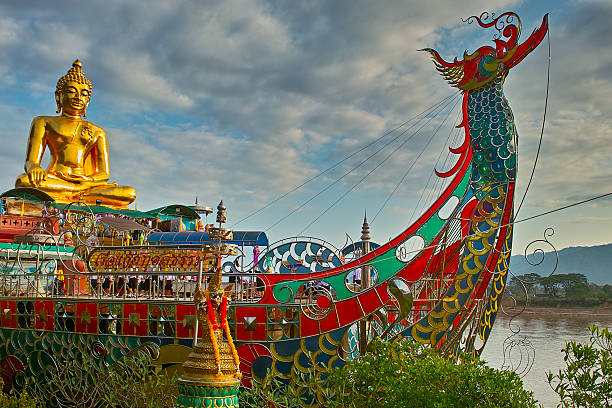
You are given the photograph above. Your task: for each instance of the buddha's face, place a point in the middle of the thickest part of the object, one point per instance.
(74, 97)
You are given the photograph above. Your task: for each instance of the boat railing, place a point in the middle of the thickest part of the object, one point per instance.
(154, 286)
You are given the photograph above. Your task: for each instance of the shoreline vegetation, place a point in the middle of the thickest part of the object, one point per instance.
(557, 309)
(558, 305)
(557, 296)
(562, 311)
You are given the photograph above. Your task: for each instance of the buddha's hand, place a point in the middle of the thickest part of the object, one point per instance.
(74, 178)
(81, 178)
(37, 175)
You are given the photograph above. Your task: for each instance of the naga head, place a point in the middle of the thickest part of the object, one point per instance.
(487, 63)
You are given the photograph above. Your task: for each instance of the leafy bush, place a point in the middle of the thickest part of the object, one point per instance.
(271, 395)
(13, 400)
(403, 374)
(130, 382)
(407, 374)
(301, 391)
(586, 381)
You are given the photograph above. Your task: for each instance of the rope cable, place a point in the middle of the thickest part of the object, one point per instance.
(535, 162)
(377, 166)
(440, 183)
(447, 102)
(412, 165)
(294, 189)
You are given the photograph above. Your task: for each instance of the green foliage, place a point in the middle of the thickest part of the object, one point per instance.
(407, 374)
(304, 388)
(403, 374)
(573, 284)
(524, 284)
(88, 383)
(587, 379)
(135, 384)
(600, 292)
(578, 291)
(569, 289)
(14, 400)
(271, 393)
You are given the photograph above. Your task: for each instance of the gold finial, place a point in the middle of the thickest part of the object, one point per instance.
(74, 74)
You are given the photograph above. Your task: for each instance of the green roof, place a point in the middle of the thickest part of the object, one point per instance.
(135, 213)
(28, 193)
(95, 209)
(175, 210)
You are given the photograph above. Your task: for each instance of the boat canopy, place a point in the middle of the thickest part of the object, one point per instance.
(135, 213)
(175, 210)
(357, 246)
(123, 224)
(100, 209)
(28, 193)
(246, 238)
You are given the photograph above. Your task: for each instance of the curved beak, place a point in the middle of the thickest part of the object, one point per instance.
(521, 51)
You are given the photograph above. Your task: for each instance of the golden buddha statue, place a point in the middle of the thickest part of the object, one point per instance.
(79, 169)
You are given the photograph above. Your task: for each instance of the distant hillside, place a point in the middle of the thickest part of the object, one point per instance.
(594, 262)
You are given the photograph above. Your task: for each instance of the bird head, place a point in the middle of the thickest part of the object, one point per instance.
(487, 63)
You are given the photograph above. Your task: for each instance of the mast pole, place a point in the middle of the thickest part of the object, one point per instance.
(365, 283)
(195, 333)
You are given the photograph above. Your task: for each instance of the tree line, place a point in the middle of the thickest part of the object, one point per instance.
(564, 286)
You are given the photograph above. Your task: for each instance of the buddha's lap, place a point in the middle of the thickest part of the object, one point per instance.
(54, 184)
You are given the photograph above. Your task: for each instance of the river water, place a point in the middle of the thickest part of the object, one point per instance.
(539, 341)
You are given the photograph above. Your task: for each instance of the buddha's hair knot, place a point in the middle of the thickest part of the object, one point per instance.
(74, 74)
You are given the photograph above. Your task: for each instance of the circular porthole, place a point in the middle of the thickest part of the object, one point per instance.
(448, 207)
(275, 315)
(354, 282)
(410, 248)
(275, 332)
(291, 330)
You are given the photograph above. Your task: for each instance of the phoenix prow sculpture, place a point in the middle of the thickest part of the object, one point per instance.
(490, 146)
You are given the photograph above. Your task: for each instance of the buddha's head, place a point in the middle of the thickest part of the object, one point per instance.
(73, 91)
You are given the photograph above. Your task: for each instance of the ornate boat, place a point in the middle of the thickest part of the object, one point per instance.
(438, 282)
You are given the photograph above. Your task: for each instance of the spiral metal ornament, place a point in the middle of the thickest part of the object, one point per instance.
(535, 255)
(519, 353)
(61, 239)
(318, 300)
(500, 23)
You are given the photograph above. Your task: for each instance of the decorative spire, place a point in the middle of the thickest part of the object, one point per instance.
(221, 214)
(365, 228)
(196, 202)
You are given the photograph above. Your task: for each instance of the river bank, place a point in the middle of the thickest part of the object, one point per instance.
(600, 313)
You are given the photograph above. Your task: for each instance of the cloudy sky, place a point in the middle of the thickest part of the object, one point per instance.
(243, 100)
